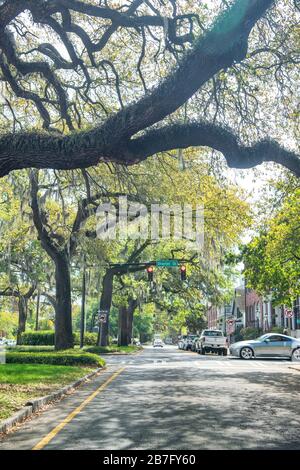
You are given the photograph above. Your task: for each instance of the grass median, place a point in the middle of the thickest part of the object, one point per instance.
(34, 372)
(90, 349)
(22, 382)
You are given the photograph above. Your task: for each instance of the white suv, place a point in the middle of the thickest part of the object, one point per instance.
(157, 343)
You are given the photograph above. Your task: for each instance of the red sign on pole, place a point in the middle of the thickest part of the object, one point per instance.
(288, 313)
(230, 326)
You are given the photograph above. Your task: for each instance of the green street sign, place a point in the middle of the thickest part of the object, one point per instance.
(167, 263)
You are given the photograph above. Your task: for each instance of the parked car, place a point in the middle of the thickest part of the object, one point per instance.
(181, 342)
(168, 340)
(187, 344)
(268, 345)
(194, 342)
(157, 343)
(212, 341)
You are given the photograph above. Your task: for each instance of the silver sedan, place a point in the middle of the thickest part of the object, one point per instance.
(268, 345)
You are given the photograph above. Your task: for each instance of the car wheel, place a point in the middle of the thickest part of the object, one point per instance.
(246, 353)
(296, 355)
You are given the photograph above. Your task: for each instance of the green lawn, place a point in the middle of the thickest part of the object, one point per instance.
(21, 382)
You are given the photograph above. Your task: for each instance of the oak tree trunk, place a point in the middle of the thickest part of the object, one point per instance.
(63, 308)
(130, 312)
(126, 323)
(22, 307)
(123, 327)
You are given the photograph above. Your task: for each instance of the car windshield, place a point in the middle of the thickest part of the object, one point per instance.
(261, 338)
(212, 333)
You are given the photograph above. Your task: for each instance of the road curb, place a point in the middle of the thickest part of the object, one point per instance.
(34, 405)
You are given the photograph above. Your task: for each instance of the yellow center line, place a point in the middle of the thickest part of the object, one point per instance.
(40, 445)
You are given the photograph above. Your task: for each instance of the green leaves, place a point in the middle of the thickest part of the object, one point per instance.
(272, 259)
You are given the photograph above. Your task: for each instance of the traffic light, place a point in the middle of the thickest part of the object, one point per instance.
(150, 273)
(183, 273)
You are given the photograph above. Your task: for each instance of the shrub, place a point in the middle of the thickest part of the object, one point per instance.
(277, 329)
(250, 333)
(38, 338)
(60, 358)
(238, 336)
(90, 339)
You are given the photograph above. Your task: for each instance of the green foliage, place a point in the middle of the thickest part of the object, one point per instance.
(8, 323)
(46, 338)
(277, 329)
(250, 333)
(272, 258)
(143, 323)
(65, 358)
(90, 339)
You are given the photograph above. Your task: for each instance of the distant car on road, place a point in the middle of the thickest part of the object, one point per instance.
(212, 341)
(157, 343)
(267, 345)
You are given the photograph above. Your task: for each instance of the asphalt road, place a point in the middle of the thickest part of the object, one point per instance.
(173, 400)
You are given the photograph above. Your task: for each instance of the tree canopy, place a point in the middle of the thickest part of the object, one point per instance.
(272, 257)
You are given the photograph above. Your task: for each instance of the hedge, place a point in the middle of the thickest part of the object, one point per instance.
(46, 338)
(61, 358)
(38, 338)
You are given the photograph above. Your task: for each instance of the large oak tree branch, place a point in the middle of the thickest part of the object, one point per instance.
(217, 138)
(47, 242)
(219, 48)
